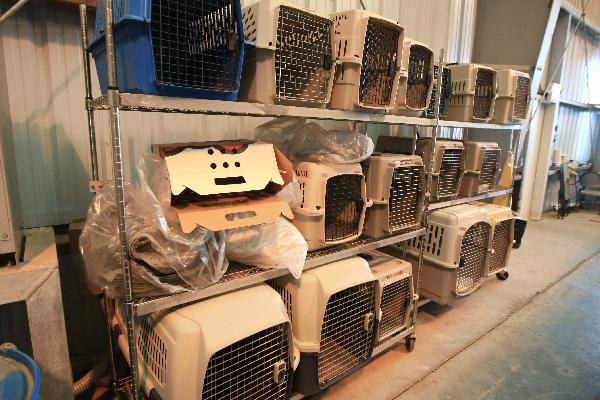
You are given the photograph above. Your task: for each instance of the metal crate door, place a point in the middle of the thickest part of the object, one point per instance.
(451, 170)
(444, 96)
(343, 206)
(521, 97)
(396, 299)
(489, 168)
(378, 69)
(346, 337)
(245, 369)
(484, 94)
(473, 256)
(419, 77)
(303, 56)
(195, 43)
(501, 243)
(405, 198)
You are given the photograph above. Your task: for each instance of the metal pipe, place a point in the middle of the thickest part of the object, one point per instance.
(117, 155)
(15, 7)
(88, 90)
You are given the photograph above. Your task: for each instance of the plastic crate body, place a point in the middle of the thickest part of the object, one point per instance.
(395, 186)
(292, 61)
(482, 165)
(514, 92)
(368, 51)
(416, 79)
(474, 91)
(444, 97)
(333, 204)
(502, 221)
(152, 58)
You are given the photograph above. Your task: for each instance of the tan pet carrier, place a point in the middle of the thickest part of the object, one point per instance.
(444, 96)
(395, 185)
(332, 309)
(416, 79)
(512, 103)
(473, 92)
(502, 221)
(368, 50)
(482, 165)
(292, 62)
(456, 252)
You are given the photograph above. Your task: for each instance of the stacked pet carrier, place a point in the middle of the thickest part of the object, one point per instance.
(368, 50)
(473, 92)
(333, 314)
(445, 95)
(502, 221)
(416, 79)
(482, 164)
(173, 48)
(238, 345)
(333, 205)
(292, 61)
(395, 186)
(512, 103)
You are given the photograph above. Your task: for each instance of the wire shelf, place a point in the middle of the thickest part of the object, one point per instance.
(463, 200)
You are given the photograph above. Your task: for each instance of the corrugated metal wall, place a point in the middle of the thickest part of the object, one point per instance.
(592, 12)
(45, 91)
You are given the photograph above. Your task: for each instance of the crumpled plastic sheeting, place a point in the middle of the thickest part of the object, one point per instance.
(301, 141)
(270, 246)
(164, 260)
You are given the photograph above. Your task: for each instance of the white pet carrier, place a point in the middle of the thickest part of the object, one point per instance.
(395, 186)
(292, 62)
(502, 221)
(333, 204)
(473, 92)
(332, 309)
(512, 103)
(482, 164)
(456, 252)
(235, 346)
(416, 79)
(368, 50)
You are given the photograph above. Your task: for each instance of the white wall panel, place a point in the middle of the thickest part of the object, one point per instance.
(577, 133)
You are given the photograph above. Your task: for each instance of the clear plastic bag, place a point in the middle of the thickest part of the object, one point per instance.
(164, 260)
(270, 246)
(301, 141)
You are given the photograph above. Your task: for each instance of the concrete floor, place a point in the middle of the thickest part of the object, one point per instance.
(534, 336)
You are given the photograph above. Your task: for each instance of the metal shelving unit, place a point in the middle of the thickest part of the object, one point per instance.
(238, 276)
(463, 200)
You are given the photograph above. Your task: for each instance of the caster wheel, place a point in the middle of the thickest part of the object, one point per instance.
(410, 343)
(502, 275)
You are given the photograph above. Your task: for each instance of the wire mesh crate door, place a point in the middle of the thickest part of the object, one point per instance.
(418, 77)
(473, 255)
(501, 243)
(245, 369)
(489, 168)
(196, 43)
(378, 69)
(303, 56)
(345, 341)
(521, 97)
(450, 172)
(395, 301)
(405, 197)
(343, 206)
(484, 93)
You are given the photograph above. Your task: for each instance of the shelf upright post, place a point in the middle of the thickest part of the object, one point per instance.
(119, 181)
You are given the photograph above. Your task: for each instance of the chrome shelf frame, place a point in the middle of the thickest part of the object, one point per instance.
(464, 200)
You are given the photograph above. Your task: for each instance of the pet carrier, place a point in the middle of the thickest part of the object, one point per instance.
(482, 164)
(416, 79)
(395, 186)
(512, 103)
(502, 221)
(368, 49)
(332, 309)
(456, 252)
(444, 96)
(333, 204)
(292, 62)
(173, 47)
(473, 92)
(236, 346)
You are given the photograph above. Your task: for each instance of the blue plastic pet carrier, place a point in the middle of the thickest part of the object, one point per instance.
(184, 48)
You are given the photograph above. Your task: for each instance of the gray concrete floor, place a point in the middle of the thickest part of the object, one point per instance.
(534, 336)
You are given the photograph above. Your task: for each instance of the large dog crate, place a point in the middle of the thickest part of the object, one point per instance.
(512, 103)
(174, 48)
(395, 185)
(236, 346)
(473, 92)
(444, 96)
(292, 60)
(333, 321)
(368, 50)
(482, 165)
(456, 252)
(416, 79)
(503, 222)
(333, 205)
